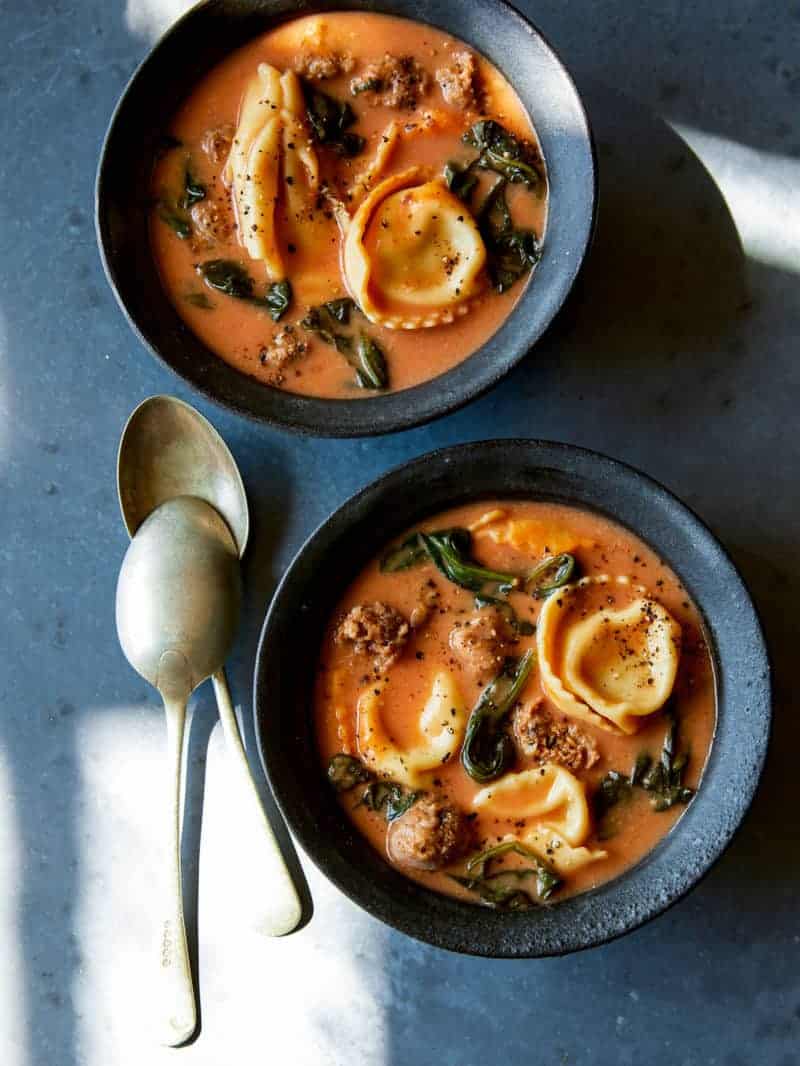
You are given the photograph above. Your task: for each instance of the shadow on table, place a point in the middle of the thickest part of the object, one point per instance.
(646, 351)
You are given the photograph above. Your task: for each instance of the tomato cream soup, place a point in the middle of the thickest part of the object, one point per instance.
(352, 203)
(515, 702)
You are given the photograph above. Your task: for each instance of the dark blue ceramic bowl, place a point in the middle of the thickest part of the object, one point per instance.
(359, 529)
(203, 37)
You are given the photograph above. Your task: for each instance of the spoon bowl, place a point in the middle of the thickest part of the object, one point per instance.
(168, 449)
(179, 590)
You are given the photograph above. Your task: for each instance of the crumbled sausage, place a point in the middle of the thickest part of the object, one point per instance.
(212, 221)
(429, 835)
(483, 641)
(284, 347)
(543, 740)
(427, 600)
(320, 66)
(394, 81)
(376, 630)
(459, 82)
(216, 142)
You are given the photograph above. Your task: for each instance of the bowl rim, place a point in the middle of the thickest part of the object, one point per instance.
(730, 807)
(393, 411)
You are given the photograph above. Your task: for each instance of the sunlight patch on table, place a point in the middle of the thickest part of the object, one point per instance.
(13, 1012)
(761, 192)
(300, 999)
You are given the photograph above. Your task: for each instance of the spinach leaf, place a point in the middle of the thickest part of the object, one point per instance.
(640, 768)
(199, 299)
(193, 191)
(550, 574)
(488, 749)
(515, 160)
(614, 788)
(403, 556)
(502, 889)
(461, 181)
(449, 550)
(330, 119)
(665, 777)
(340, 309)
(345, 772)
(278, 298)
(371, 372)
(366, 357)
(389, 798)
(172, 216)
(511, 252)
(228, 277)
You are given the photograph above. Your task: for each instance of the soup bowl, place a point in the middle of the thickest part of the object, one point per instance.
(202, 38)
(361, 528)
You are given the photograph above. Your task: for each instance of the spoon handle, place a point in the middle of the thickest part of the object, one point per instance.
(283, 903)
(175, 993)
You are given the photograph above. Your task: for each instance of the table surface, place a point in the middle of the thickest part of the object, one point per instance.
(679, 355)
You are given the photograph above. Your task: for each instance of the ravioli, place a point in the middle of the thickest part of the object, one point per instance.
(610, 665)
(548, 793)
(554, 850)
(413, 256)
(528, 535)
(442, 723)
(272, 161)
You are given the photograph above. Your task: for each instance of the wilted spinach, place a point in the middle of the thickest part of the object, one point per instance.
(346, 771)
(499, 150)
(277, 298)
(363, 353)
(549, 575)
(330, 120)
(511, 252)
(461, 180)
(389, 798)
(193, 190)
(231, 278)
(488, 749)
(503, 889)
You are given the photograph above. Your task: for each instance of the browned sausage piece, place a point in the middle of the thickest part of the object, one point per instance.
(394, 81)
(483, 641)
(459, 82)
(322, 65)
(540, 738)
(376, 630)
(429, 835)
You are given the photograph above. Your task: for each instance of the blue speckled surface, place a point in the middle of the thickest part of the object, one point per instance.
(678, 355)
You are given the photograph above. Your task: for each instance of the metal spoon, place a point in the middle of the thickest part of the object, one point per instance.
(178, 599)
(169, 449)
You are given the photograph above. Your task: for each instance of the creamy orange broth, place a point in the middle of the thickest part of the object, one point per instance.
(600, 547)
(236, 331)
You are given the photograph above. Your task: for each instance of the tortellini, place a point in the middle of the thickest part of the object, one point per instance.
(442, 723)
(610, 665)
(559, 854)
(272, 161)
(413, 256)
(549, 793)
(532, 536)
